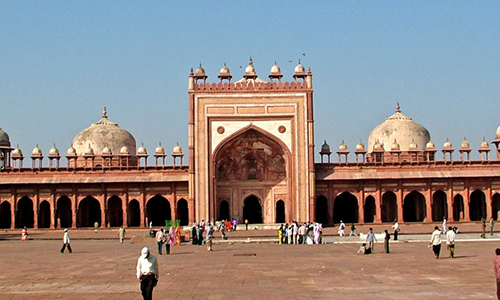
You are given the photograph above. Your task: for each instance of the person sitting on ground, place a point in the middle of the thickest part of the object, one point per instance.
(365, 249)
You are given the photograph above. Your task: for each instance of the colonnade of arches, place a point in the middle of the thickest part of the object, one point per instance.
(89, 211)
(346, 207)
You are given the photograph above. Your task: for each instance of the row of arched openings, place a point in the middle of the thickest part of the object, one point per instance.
(345, 207)
(252, 210)
(158, 211)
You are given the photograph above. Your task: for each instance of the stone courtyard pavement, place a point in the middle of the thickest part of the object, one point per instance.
(104, 269)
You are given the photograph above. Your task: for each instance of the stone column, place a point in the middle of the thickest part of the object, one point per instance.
(361, 207)
(428, 204)
(400, 203)
(142, 208)
(466, 203)
(449, 202)
(13, 210)
(329, 204)
(125, 210)
(378, 205)
(75, 210)
(53, 210)
(489, 204)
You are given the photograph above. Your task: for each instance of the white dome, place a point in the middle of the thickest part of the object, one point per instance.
(447, 144)
(124, 150)
(224, 69)
(250, 68)
(107, 150)
(395, 145)
(403, 129)
(300, 68)
(142, 150)
(275, 69)
(36, 151)
(101, 134)
(17, 151)
(465, 144)
(160, 149)
(177, 149)
(430, 145)
(54, 150)
(200, 70)
(360, 146)
(4, 138)
(89, 150)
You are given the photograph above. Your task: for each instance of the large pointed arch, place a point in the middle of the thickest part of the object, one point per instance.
(345, 208)
(115, 211)
(5, 214)
(89, 212)
(64, 212)
(25, 214)
(158, 210)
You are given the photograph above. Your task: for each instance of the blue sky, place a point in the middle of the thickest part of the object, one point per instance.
(61, 62)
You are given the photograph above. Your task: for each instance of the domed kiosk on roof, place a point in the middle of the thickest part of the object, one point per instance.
(5, 149)
(101, 135)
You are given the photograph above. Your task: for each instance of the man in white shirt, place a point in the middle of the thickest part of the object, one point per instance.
(436, 241)
(450, 241)
(147, 273)
(66, 241)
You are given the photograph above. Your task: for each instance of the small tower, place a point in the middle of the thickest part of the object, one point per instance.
(250, 71)
(160, 154)
(496, 142)
(225, 74)
(300, 72)
(200, 75)
(484, 150)
(413, 151)
(343, 152)
(88, 154)
(430, 152)
(275, 73)
(464, 151)
(325, 150)
(36, 155)
(378, 152)
(54, 156)
(142, 152)
(448, 149)
(124, 156)
(71, 157)
(396, 150)
(17, 158)
(107, 156)
(177, 152)
(360, 150)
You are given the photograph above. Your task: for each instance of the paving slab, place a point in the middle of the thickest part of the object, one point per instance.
(105, 269)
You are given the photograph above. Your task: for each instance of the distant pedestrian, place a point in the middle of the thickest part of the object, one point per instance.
(194, 235)
(210, 236)
(444, 225)
(160, 239)
(341, 230)
(492, 223)
(178, 235)
(483, 225)
(450, 241)
(96, 227)
(371, 239)
(200, 235)
(436, 241)
(496, 269)
(246, 224)
(147, 273)
(387, 237)
(353, 230)
(395, 226)
(280, 235)
(66, 242)
(121, 234)
(24, 234)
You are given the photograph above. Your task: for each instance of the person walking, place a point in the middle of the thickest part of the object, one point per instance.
(371, 239)
(444, 225)
(280, 234)
(395, 227)
(160, 239)
(96, 227)
(246, 224)
(492, 223)
(353, 230)
(342, 228)
(121, 234)
(147, 273)
(387, 237)
(194, 235)
(178, 235)
(496, 269)
(24, 234)
(450, 241)
(66, 241)
(483, 225)
(210, 236)
(436, 241)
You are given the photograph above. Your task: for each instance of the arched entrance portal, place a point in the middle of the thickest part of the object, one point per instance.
(369, 209)
(458, 208)
(389, 207)
(44, 215)
(280, 211)
(115, 212)
(5, 215)
(345, 208)
(322, 210)
(439, 206)
(182, 212)
(250, 158)
(158, 210)
(477, 206)
(25, 215)
(496, 206)
(414, 207)
(252, 211)
(64, 214)
(224, 210)
(89, 212)
(134, 213)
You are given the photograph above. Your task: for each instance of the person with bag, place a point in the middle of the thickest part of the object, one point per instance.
(147, 273)
(160, 239)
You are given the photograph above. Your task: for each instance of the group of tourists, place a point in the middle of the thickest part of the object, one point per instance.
(306, 233)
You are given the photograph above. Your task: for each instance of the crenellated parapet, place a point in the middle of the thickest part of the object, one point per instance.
(250, 87)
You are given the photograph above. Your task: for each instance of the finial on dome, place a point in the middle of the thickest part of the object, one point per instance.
(251, 61)
(104, 113)
(398, 107)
